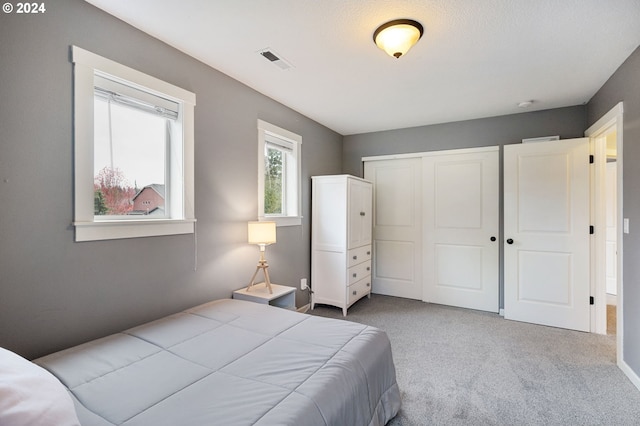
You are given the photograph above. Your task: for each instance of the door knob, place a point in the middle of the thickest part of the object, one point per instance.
(509, 241)
(493, 238)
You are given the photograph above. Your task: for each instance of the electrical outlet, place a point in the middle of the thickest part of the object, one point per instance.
(303, 284)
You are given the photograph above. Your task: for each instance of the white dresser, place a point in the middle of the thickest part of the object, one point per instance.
(341, 217)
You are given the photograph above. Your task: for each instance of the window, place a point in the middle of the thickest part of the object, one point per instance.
(133, 152)
(279, 175)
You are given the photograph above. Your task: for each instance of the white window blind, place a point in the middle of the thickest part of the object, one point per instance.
(278, 143)
(135, 98)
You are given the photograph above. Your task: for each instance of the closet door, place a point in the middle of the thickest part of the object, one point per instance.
(397, 230)
(461, 224)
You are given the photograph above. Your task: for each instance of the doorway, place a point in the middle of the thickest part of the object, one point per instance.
(611, 249)
(606, 130)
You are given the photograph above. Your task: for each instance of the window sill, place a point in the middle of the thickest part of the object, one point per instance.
(117, 229)
(282, 220)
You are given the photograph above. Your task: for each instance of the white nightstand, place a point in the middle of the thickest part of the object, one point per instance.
(282, 296)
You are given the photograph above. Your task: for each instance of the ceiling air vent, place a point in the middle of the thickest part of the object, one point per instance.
(275, 58)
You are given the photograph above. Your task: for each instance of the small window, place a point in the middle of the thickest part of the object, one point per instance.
(134, 152)
(278, 175)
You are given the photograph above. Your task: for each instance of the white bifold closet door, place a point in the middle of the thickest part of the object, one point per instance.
(461, 225)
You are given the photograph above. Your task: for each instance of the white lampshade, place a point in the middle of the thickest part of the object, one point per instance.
(397, 37)
(261, 232)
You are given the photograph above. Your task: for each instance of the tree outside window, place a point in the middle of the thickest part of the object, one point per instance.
(113, 194)
(273, 181)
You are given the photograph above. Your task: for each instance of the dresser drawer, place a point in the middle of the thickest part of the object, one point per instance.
(358, 272)
(358, 289)
(359, 255)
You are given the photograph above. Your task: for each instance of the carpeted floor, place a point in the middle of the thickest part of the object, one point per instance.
(463, 367)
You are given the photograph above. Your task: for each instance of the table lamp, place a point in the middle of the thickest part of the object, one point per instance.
(262, 234)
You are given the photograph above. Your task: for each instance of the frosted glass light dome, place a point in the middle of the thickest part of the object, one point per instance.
(397, 37)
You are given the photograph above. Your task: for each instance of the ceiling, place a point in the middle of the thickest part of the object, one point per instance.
(477, 58)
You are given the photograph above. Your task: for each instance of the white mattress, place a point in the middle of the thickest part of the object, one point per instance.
(231, 362)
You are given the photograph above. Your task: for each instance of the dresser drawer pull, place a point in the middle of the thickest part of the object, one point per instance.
(368, 284)
(355, 257)
(362, 213)
(368, 253)
(355, 275)
(355, 292)
(368, 268)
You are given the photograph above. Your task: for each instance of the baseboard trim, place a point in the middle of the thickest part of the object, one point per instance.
(304, 309)
(633, 377)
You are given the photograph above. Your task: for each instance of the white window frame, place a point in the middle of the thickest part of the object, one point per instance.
(292, 211)
(182, 220)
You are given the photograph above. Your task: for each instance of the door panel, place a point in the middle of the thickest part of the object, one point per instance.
(460, 217)
(546, 226)
(458, 194)
(543, 177)
(543, 277)
(394, 260)
(468, 277)
(397, 268)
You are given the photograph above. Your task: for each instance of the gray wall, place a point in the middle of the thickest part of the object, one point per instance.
(54, 292)
(565, 122)
(624, 86)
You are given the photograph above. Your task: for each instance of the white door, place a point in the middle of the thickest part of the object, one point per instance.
(397, 232)
(461, 224)
(360, 220)
(546, 232)
(612, 230)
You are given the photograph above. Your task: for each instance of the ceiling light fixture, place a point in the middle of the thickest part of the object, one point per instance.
(398, 36)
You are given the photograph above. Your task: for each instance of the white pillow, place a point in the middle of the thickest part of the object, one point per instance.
(30, 395)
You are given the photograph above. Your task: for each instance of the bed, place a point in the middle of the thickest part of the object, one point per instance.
(232, 362)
